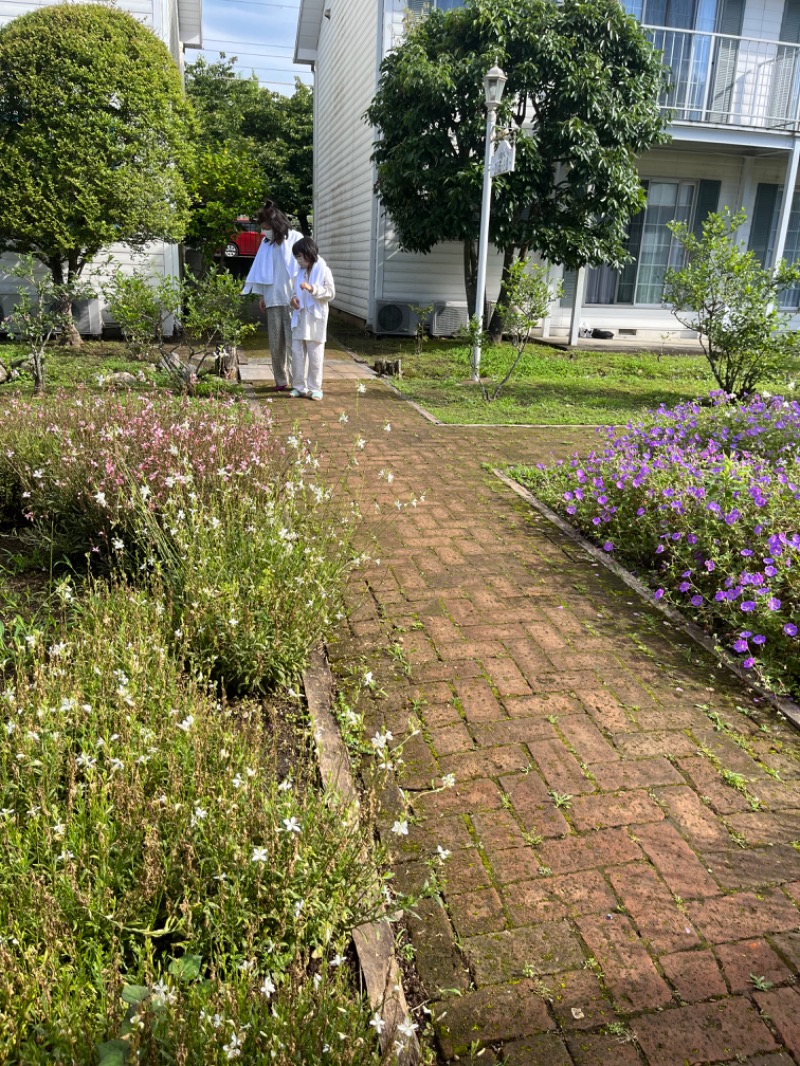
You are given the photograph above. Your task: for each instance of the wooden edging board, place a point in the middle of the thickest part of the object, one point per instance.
(374, 941)
(788, 708)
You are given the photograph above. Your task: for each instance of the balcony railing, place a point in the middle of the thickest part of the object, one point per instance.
(732, 81)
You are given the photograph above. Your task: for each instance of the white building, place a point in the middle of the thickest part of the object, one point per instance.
(178, 24)
(736, 111)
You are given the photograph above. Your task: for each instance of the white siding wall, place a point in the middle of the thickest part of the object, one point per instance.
(158, 258)
(343, 175)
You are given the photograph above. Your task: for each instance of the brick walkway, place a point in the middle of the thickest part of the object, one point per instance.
(622, 886)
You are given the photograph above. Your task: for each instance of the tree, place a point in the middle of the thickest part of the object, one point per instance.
(733, 302)
(43, 310)
(529, 296)
(95, 137)
(268, 133)
(225, 184)
(584, 82)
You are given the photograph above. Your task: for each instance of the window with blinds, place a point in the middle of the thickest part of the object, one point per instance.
(651, 244)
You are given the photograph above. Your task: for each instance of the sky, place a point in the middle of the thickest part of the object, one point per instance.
(261, 33)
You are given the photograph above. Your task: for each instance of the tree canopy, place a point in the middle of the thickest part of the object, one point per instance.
(256, 143)
(583, 82)
(95, 136)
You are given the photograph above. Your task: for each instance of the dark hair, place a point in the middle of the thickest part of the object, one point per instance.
(270, 216)
(307, 247)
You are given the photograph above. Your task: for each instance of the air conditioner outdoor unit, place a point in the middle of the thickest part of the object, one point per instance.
(448, 319)
(393, 317)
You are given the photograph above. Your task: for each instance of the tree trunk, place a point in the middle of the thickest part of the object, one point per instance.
(498, 315)
(70, 338)
(470, 275)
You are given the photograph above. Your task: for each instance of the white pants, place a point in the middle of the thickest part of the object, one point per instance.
(307, 357)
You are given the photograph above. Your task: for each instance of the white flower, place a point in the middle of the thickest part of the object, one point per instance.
(101, 498)
(400, 828)
(233, 1049)
(298, 907)
(59, 829)
(199, 815)
(377, 1023)
(117, 544)
(380, 740)
(268, 987)
(66, 854)
(407, 1028)
(337, 960)
(285, 785)
(387, 428)
(449, 781)
(343, 417)
(117, 764)
(368, 681)
(291, 825)
(38, 474)
(292, 694)
(162, 993)
(237, 781)
(443, 853)
(247, 965)
(187, 723)
(360, 443)
(361, 387)
(259, 855)
(250, 771)
(145, 491)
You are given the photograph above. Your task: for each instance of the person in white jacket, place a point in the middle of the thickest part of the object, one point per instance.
(313, 291)
(271, 277)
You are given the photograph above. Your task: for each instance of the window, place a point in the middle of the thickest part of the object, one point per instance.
(764, 232)
(652, 245)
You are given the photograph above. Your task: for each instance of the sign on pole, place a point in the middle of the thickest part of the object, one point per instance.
(503, 158)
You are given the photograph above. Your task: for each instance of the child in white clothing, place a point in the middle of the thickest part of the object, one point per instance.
(313, 291)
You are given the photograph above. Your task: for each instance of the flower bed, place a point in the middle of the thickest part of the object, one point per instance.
(205, 494)
(172, 887)
(707, 500)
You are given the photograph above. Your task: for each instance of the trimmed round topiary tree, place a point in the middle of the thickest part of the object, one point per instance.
(95, 136)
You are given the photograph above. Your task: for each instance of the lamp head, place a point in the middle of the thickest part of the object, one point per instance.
(493, 85)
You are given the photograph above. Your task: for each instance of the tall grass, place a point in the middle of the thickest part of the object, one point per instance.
(151, 852)
(209, 497)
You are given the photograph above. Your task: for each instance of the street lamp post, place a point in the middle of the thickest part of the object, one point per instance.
(493, 85)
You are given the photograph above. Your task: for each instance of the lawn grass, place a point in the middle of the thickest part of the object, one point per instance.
(90, 365)
(549, 387)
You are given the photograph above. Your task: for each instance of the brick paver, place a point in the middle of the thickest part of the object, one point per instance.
(609, 898)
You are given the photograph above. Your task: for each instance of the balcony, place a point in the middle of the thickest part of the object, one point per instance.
(730, 81)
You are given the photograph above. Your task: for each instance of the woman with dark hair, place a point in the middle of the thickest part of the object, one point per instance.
(313, 291)
(272, 277)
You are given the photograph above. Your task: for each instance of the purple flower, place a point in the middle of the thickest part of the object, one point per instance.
(748, 663)
(759, 638)
(659, 594)
(608, 546)
(748, 605)
(710, 565)
(774, 603)
(790, 629)
(741, 646)
(696, 601)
